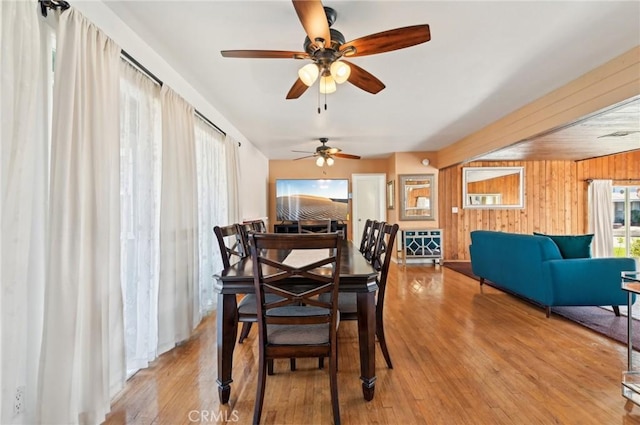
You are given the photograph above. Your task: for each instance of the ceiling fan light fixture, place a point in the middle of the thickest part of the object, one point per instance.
(320, 161)
(327, 84)
(329, 161)
(340, 71)
(309, 74)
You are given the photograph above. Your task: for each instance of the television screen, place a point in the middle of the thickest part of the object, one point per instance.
(312, 199)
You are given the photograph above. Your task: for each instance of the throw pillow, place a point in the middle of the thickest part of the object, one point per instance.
(572, 246)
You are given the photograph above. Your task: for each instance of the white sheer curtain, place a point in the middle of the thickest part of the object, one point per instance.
(140, 168)
(601, 217)
(24, 51)
(178, 300)
(233, 185)
(212, 206)
(82, 363)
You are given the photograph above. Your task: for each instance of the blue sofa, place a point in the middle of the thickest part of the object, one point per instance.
(532, 267)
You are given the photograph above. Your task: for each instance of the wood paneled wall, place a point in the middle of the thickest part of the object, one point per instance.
(555, 199)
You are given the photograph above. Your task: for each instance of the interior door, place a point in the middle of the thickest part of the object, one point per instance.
(368, 201)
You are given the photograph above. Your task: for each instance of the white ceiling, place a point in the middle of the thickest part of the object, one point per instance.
(484, 60)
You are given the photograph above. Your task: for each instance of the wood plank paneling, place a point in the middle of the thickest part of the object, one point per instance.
(555, 199)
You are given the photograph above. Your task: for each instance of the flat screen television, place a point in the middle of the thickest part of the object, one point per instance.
(312, 199)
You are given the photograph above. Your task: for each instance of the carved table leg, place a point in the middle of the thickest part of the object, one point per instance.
(227, 328)
(367, 338)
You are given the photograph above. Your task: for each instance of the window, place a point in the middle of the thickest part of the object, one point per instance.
(140, 178)
(213, 205)
(626, 221)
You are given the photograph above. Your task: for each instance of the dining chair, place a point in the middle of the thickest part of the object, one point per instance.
(233, 244)
(380, 260)
(314, 226)
(364, 241)
(256, 225)
(247, 305)
(376, 227)
(301, 324)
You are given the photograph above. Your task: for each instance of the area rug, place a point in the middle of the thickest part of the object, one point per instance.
(597, 319)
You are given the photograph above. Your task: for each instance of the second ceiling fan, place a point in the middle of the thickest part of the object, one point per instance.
(326, 48)
(324, 154)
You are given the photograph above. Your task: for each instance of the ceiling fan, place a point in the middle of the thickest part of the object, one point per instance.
(326, 48)
(325, 154)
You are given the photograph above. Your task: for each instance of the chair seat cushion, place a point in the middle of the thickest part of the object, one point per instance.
(299, 334)
(247, 304)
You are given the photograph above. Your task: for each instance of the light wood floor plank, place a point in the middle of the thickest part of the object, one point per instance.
(463, 354)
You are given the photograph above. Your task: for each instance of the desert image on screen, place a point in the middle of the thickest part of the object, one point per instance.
(307, 207)
(312, 200)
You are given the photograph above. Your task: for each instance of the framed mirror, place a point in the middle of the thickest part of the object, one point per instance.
(493, 187)
(416, 196)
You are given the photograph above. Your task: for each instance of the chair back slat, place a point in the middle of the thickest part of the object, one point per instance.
(232, 243)
(382, 257)
(256, 226)
(376, 228)
(364, 241)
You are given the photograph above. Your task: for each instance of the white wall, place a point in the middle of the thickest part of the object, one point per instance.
(254, 172)
(254, 182)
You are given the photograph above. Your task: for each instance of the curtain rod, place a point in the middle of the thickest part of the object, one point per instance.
(52, 4)
(63, 5)
(151, 75)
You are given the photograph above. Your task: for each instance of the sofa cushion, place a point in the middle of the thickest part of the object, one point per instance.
(572, 246)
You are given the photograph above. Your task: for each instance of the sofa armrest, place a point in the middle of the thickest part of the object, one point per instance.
(588, 281)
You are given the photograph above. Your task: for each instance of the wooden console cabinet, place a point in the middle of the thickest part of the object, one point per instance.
(422, 243)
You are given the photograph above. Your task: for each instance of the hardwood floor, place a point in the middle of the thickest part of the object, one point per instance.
(461, 355)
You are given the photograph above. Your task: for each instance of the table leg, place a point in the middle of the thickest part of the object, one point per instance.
(367, 339)
(227, 328)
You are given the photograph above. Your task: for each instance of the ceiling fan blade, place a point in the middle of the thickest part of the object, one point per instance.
(297, 89)
(346, 155)
(364, 79)
(303, 152)
(390, 40)
(264, 54)
(313, 19)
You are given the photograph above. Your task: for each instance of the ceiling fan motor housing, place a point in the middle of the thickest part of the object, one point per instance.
(337, 40)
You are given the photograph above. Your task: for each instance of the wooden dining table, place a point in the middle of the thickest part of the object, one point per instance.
(356, 275)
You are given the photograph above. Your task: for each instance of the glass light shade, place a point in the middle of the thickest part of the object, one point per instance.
(327, 85)
(308, 74)
(329, 161)
(340, 71)
(320, 161)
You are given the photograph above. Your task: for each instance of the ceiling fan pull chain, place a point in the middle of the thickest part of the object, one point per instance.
(319, 98)
(325, 101)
